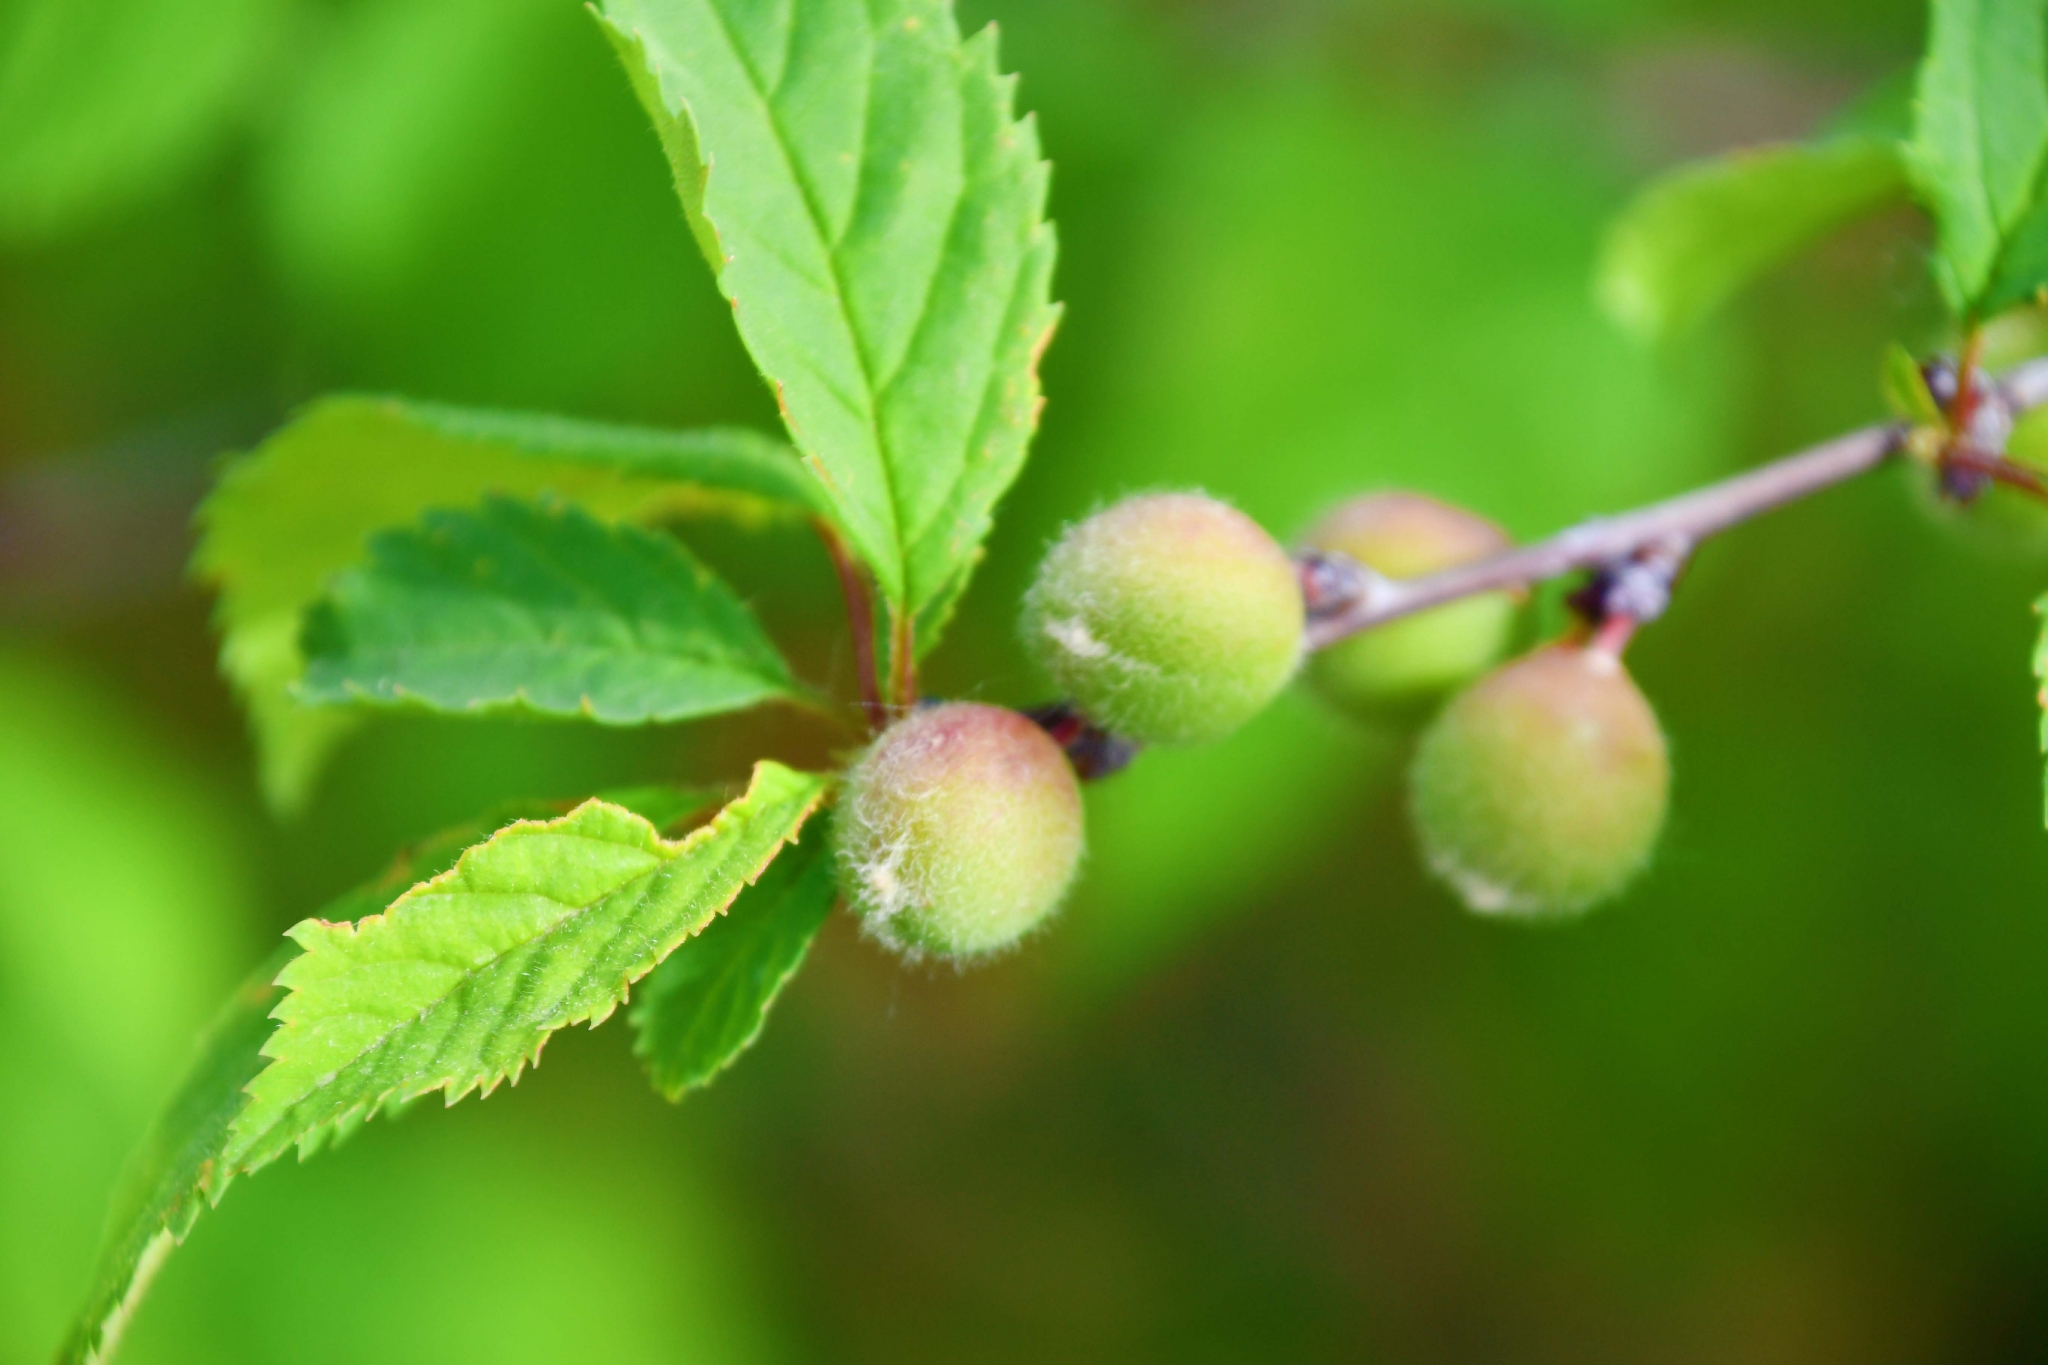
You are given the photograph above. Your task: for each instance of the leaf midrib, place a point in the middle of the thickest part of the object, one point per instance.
(463, 977)
(828, 243)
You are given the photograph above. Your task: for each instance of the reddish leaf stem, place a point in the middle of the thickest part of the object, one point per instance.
(860, 618)
(903, 655)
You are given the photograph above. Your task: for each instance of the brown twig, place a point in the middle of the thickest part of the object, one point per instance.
(1365, 599)
(860, 618)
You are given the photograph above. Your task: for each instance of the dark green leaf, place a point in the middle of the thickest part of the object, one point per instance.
(301, 507)
(1981, 134)
(541, 608)
(704, 1006)
(2041, 670)
(2023, 269)
(1699, 234)
(875, 211)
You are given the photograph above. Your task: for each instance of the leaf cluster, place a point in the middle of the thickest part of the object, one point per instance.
(874, 208)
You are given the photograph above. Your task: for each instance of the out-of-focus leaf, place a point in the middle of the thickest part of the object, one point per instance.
(2016, 334)
(1905, 388)
(665, 807)
(707, 1004)
(460, 982)
(178, 1170)
(542, 608)
(124, 902)
(1884, 111)
(875, 212)
(103, 102)
(1699, 234)
(301, 507)
(1980, 137)
(2023, 271)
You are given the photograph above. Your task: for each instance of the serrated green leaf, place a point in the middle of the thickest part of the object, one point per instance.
(102, 104)
(541, 608)
(1979, 143)
(875, 211)
(707, 1004)
(180, 1169)
(1695, 236)
(1905, 388)
(285, 518)
(460, 982)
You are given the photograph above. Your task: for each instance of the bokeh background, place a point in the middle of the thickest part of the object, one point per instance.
(1265, 1094)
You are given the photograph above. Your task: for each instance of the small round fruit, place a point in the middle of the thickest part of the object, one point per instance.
(1169, 618)
(1397, 671)
(1541, 789)
(959, 831)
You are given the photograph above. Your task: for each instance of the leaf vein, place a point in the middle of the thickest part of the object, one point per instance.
(820, 231)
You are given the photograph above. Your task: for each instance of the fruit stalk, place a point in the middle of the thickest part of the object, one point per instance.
(1346, 597)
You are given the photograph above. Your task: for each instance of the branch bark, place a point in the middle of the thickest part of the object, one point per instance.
(1676, 525)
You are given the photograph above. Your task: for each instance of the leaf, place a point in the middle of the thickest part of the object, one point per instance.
(180, 1170)
(102, 104)
(1980, 137)
(875, 212)
(1905, 389)
(1884, 111)
(543, 608)
(1700, 233)
(2023, 270)
(707, 1004)
(177, 1172)
(665, 807)
(287, 517)
(458, 984)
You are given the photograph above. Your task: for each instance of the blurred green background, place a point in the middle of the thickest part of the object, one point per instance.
(1264, 1094)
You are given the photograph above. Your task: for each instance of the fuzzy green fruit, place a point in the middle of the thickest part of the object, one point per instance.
(1170, 618)
(959, 831)
(1541, 790)
(1397, 671)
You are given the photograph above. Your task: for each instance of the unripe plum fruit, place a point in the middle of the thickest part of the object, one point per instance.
(959, 831)
(1169, 618)
(1397, 671)
(1541, 789)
